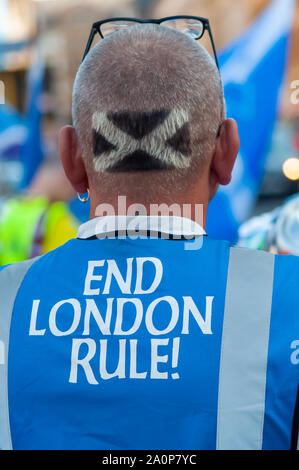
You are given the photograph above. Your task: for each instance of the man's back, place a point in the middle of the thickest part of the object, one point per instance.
(155, 342)
(150, 344)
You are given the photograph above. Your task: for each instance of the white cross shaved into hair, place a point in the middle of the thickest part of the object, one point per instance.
(153, 143)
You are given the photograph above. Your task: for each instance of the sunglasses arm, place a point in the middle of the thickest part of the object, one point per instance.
(213, 46)
(90, 40)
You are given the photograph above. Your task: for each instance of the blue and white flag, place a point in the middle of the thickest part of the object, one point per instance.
(32, 153)
(253, 69)
(13, 133)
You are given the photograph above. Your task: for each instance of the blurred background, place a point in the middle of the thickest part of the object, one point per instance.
(41, 47)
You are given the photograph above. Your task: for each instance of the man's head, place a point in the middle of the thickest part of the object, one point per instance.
(147, 108)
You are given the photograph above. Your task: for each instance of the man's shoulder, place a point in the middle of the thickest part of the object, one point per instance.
(4, 267)
(12, 275)
(285, 267)
(286, 273)
(16, 269)
(285, 289)
(11, 279)
(287, 262)
(251, 252)
(283, 262)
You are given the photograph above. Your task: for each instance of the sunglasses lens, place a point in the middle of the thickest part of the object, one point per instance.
(113, 26)
(194, 28)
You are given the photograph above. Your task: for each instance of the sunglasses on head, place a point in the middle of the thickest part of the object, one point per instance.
(193, 26)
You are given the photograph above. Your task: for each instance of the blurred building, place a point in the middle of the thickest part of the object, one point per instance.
(18, 27)
(64, 26)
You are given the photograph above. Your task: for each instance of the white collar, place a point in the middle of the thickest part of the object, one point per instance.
(172, 225)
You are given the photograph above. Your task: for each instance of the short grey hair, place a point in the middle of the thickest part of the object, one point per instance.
(160, 82)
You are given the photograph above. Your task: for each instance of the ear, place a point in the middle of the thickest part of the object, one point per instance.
(72, 160)
(225, 154)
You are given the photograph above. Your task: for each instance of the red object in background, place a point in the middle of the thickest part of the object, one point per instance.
(283, 252)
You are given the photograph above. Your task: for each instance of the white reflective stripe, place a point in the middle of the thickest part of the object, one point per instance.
(244, 350)
(10, 281)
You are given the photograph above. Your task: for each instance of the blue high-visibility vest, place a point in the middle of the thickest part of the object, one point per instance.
(151, 341)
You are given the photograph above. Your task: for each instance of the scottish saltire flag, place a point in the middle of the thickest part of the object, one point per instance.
(252, 69)
(32, 152)
(13, 133)
(20, 137)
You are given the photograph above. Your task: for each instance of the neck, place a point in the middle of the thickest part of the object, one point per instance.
(163, 193)
(195, 210)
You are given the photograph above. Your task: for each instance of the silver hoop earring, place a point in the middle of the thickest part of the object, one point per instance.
(84, 199)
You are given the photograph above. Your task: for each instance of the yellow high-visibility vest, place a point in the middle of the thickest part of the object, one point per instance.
(32, 227)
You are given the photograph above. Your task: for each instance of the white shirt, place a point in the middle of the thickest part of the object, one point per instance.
(168, 225)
